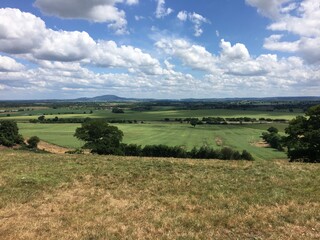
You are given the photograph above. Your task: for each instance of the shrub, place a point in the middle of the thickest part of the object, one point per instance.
(131, 149)
(33, 142)
(246, 156)
(226, 153)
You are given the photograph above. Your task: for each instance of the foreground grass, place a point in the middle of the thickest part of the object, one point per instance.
(105, 197)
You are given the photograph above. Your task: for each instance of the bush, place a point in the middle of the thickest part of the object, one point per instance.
(246, 156)
(33, 142)
(227, 153)
(131, 149)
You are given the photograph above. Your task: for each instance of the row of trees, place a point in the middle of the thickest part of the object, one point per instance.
(102, 138)
(220, 120)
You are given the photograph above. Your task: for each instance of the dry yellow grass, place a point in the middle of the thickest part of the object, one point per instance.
(133, 198)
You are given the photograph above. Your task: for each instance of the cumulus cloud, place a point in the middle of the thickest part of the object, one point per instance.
(194, 56)
(20, 32)
(161, 10)
(234, 70)
(92, 10)
(65, 46)
(109, 54)
(235, 52)
(194, 18)
(69, 46)
(182, 16)
(300, 19)
(8, 64)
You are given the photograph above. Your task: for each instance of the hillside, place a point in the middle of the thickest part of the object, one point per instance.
(46, 196)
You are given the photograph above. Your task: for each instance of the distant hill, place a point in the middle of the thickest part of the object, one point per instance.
(114, 98)
(104, 98)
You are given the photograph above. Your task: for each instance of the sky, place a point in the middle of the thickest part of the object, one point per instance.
(65, 49)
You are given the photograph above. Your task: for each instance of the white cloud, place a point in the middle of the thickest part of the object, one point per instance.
(273, 43)
(20, 32)
(269, 8)
(194, 56)
(138, 18)
(70, 46)
(92, 10)
(108, 54)
(8, 64)
(300, 19)
(65, 46)
(182, 16)
(196, 19)
(235, 52)
(161, 10)
(234, 71)
(132, 2)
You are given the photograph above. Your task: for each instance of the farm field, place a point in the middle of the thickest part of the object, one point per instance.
(240, 137)
(107, 197)
(59, 134)
(149, 115)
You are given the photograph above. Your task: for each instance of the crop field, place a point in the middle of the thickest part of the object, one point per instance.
(148, 115)
(50, 196)
(240, 137)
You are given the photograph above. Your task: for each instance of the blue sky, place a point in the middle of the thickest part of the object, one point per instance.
(159, 48)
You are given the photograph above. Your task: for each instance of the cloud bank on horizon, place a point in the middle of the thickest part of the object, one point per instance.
(159, 49)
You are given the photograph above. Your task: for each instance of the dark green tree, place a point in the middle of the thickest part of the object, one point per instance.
(9, 133)
(33, 142)
(100, 137)
(194, 121)
(303, 140)
(41, 118)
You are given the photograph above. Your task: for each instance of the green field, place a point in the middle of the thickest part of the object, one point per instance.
(239, 137)
(154, 130)
(58, 134)
(50, 196)
(149, 115)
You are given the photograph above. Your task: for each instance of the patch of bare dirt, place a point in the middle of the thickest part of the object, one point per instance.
(219, 141)
(261, 144)
(52, 148)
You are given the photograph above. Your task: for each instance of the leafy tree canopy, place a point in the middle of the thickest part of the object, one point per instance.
(303, 141)
(9, 133)
(100, 137)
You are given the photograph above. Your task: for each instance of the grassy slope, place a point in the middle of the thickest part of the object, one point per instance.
(59, 134)
(93, 197)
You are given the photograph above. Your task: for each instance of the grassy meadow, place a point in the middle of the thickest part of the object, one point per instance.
(47, 196)
(148, 115)
(155, 130)
(240, 137)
